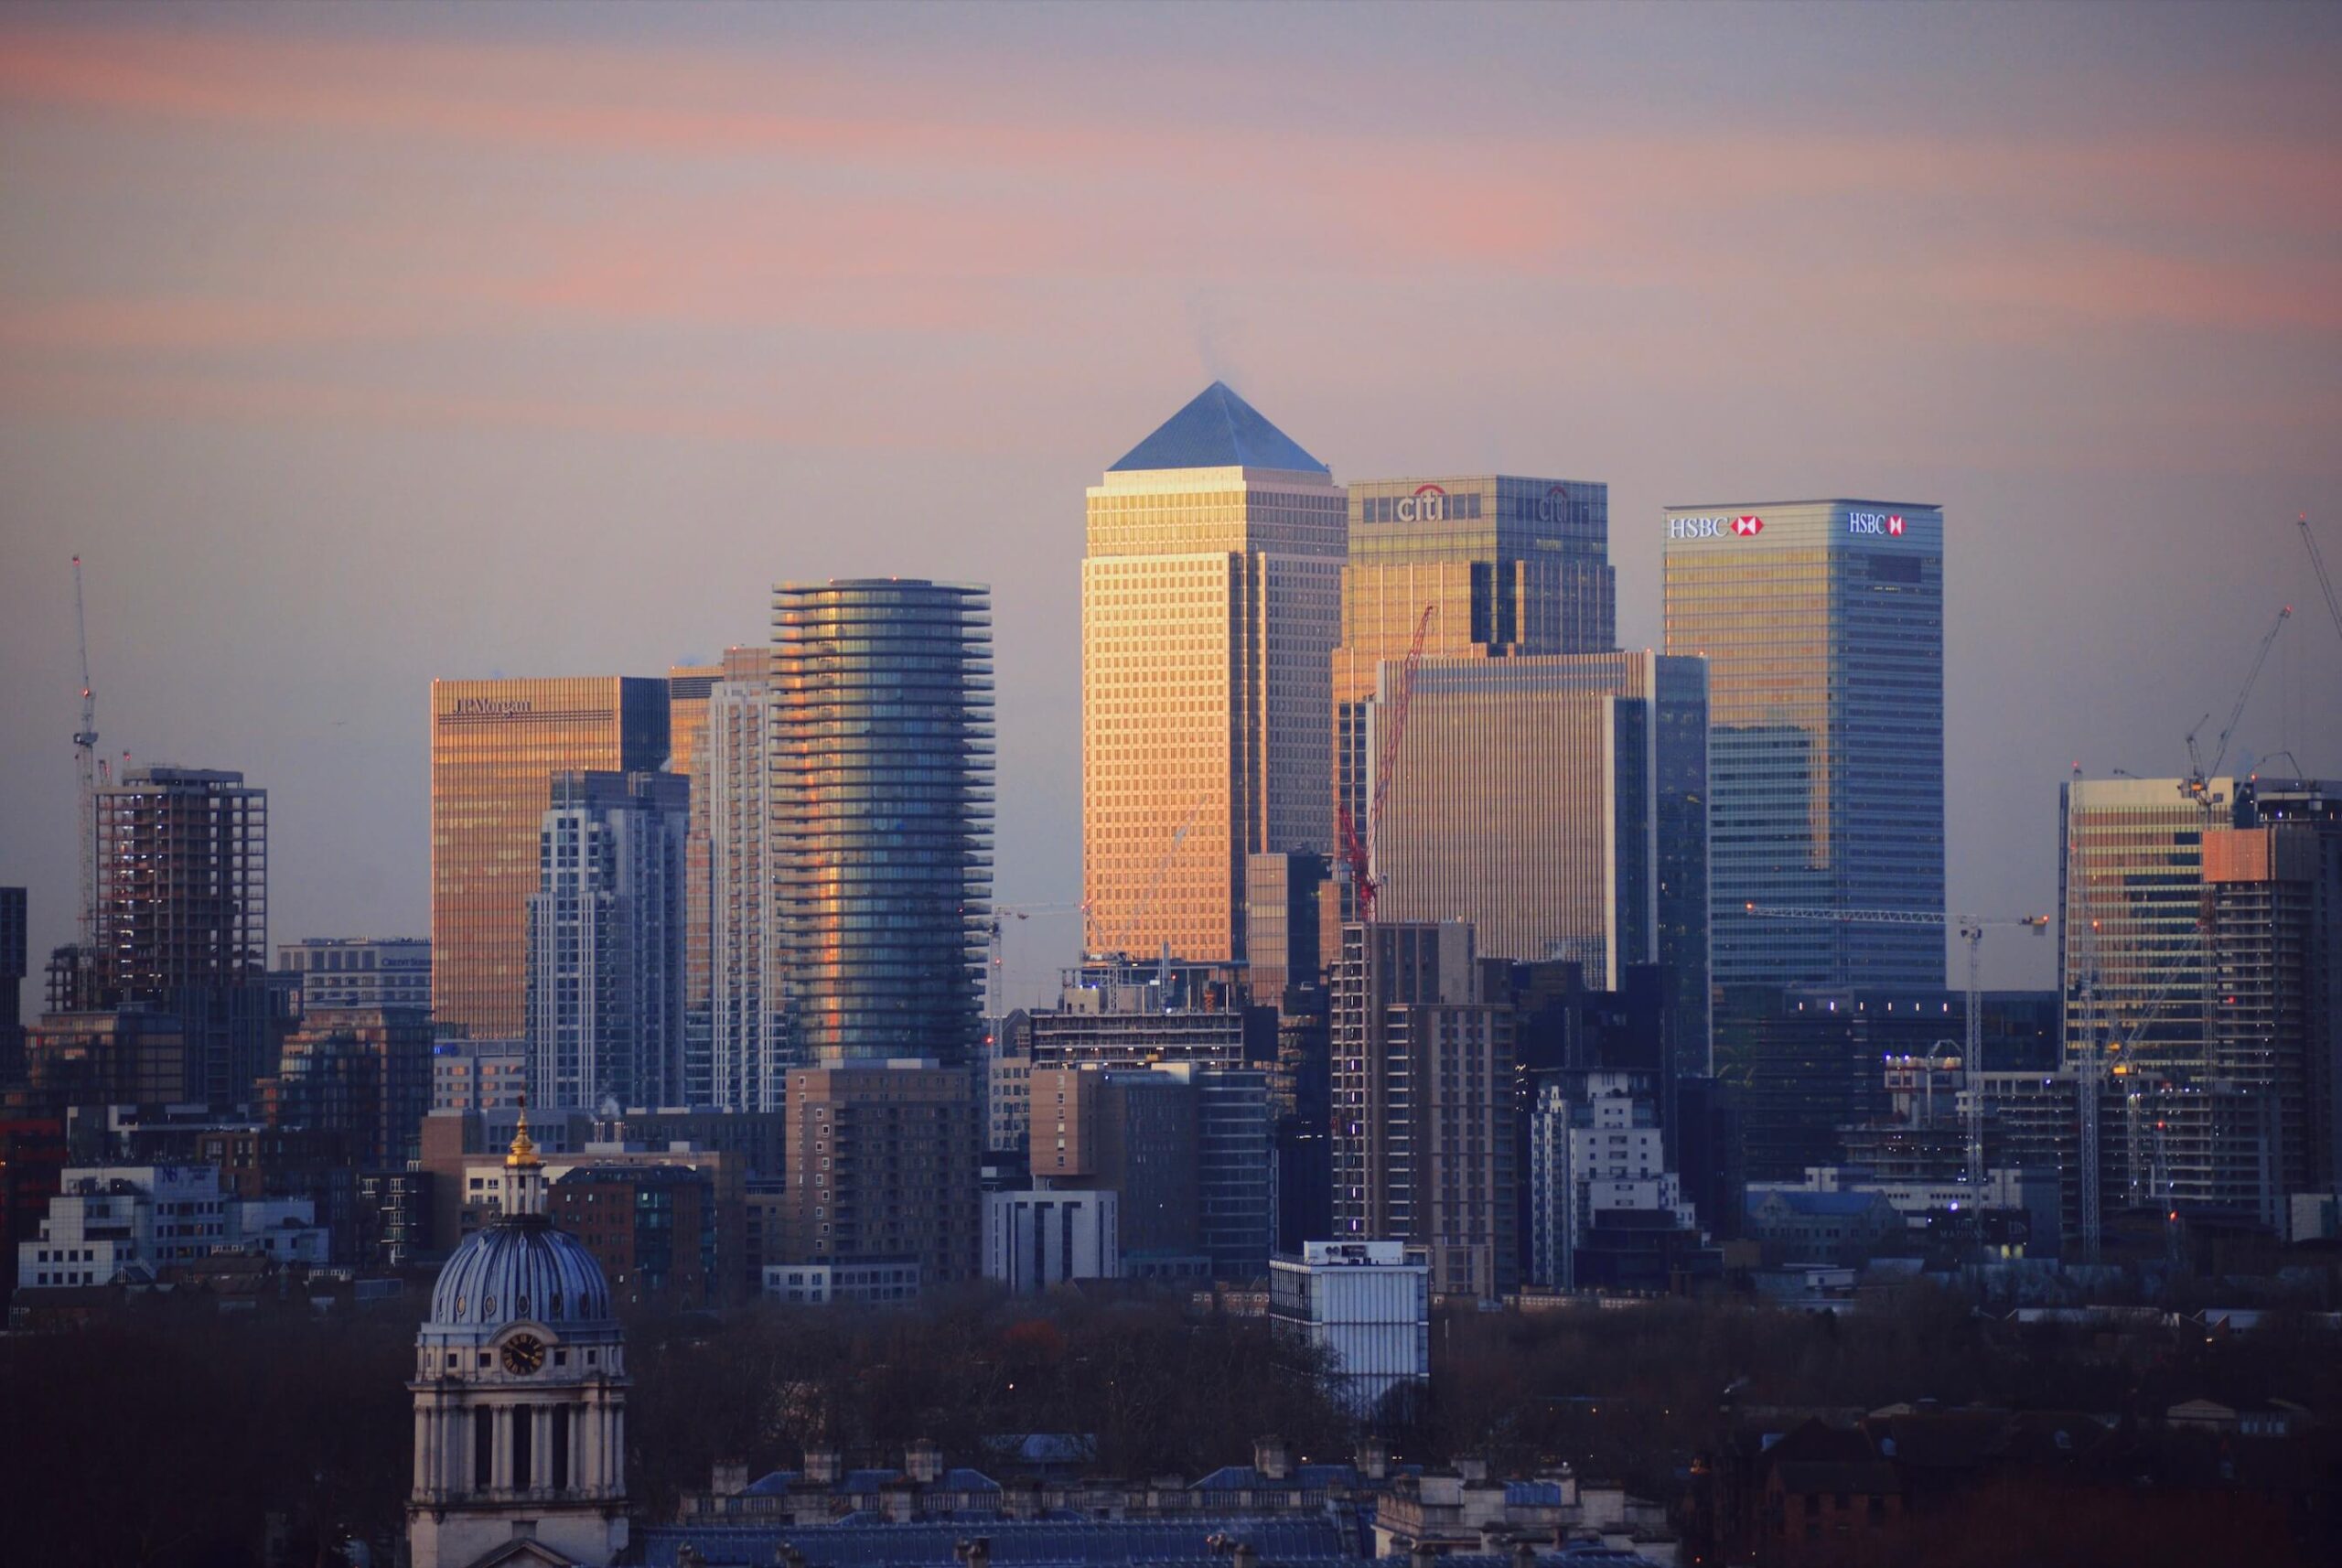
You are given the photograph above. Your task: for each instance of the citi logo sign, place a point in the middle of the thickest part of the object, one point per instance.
(1746, 526)
(1889, 524)
(1428, 504)
(1553, 506)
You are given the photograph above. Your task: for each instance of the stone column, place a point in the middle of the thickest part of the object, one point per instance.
(587, 1449)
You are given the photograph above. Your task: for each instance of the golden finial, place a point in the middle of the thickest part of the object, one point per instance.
(523, 1156)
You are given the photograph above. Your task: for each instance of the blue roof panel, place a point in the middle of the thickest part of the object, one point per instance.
(1219, 430)
(1015, 1544)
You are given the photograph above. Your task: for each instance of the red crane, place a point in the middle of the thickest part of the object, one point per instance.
(1357, 852)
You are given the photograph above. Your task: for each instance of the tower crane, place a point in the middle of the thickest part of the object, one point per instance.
(1155, 882)
(1358, 851)
(85, 768)
(2317, 560)
(1971, 929)
(2197, 786)
(1001, 913)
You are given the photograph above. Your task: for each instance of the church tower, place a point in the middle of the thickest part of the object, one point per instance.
(520, 1396)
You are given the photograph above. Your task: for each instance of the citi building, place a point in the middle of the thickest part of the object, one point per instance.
(1822, 622)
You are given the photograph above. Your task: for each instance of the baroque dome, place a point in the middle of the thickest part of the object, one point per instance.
(518, 1271)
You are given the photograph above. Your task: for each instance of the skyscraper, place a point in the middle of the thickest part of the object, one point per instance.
(2200, 941)
(605, 1012)
(882, 814)
(495, 745)
(690, 687)
(1823, 625)
(1210, 601)
(1559, 805)
(1504, 565)
(731, 803)
(2131, 916)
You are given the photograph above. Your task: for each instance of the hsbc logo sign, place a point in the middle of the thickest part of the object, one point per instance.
(1747, 525)
(1428, 504)
(1879, 523)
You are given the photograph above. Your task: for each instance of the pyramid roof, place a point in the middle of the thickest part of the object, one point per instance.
(1219, 430)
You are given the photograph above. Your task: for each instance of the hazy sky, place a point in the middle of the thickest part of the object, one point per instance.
(354, 345)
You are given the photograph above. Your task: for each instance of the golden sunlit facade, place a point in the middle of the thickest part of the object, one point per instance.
(1504, 565)
(1822, 622)
(495, 745)
(1210, 601)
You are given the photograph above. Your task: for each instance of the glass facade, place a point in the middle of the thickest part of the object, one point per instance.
(881, 815)
(1823, 625)
(495, 747)
(1512, 566)
(1559, 804)
(1210, 603)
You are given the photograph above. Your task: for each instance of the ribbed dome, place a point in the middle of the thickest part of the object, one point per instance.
(516, 1271)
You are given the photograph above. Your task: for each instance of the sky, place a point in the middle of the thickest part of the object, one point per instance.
(354, 345)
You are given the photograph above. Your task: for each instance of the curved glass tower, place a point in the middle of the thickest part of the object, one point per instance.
(881, 815)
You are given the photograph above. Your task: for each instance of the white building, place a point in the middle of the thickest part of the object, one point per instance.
(733, 775)
(1036, 1240)
(108, 1218)
(1366, 1306)
(283, 1229)
(604, 982)
(1594, 1149)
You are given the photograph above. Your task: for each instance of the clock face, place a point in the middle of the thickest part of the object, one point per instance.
(522, 1355)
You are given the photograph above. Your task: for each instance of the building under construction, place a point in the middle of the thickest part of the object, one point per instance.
(2202, 951)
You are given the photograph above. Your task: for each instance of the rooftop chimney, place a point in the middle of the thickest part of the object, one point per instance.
(1271, 1458)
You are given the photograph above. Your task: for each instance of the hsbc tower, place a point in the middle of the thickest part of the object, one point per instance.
(1823, 625)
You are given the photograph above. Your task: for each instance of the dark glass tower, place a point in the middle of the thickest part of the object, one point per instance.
(881, 815)
(1823, 625)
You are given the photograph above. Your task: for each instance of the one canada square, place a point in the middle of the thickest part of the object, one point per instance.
(1210, 604)
(1823, 625)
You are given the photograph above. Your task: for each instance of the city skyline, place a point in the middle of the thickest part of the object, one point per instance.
(358, 499)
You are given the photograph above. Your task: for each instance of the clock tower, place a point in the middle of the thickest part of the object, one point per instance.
(520, 1396)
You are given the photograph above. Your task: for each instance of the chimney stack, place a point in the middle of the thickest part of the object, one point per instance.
(1271, 1458)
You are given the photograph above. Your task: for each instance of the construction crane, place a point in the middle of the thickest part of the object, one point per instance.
(85, 768)
(2197, 785)
(1154, 883)
(1357, 849)
(2317, 560)
(1971, 929)
(1001, 913)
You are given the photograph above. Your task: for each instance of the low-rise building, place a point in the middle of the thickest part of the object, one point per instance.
(111, 1220)
(1034, 1240)
(1363, 1309)
(1837, 1228)
(867, 1281)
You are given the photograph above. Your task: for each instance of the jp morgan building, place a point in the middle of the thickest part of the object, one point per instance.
(1823, 625)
